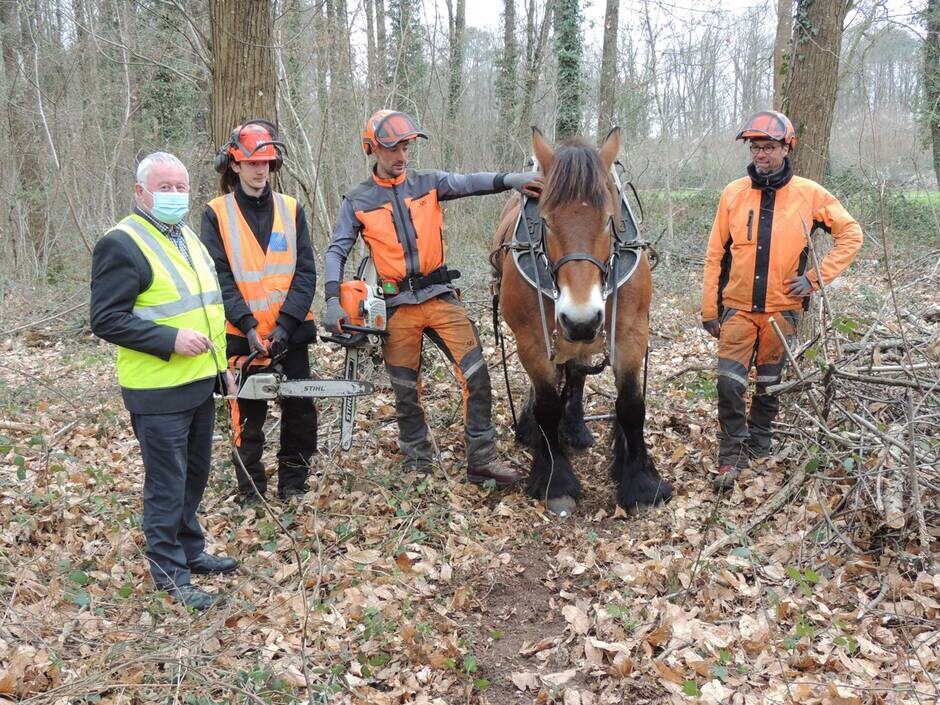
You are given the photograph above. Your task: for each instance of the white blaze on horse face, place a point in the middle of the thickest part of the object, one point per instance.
(580, 320)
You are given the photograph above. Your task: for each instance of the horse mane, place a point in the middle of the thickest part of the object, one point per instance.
(576, 175)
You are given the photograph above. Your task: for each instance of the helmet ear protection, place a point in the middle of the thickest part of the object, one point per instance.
(224, 156)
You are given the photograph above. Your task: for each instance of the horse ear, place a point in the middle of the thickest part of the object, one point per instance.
(542, 149)
(610, 148)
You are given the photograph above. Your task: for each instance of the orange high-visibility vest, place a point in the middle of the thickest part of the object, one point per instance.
(263, 278)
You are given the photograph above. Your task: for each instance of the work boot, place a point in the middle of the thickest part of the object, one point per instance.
(725, 478)
(422, 466)
(249, 500)
(205, 563)
(191, 596)
(756, 451)
(286, 494)
(495, 470)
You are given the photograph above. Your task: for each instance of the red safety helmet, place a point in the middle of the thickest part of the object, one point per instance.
(769, 125)
(388, 128)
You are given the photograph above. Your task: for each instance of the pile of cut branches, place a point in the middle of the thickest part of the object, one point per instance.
(863, 409)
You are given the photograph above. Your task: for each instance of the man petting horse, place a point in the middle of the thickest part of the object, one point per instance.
(757, 269)
(398, 214)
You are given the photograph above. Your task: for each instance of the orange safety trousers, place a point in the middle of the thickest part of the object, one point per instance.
(747, 339)
(444, 321)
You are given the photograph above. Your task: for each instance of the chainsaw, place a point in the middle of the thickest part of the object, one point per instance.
(272, 384)
(362, 301)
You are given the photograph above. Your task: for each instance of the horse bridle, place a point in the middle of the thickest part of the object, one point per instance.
(608, 270)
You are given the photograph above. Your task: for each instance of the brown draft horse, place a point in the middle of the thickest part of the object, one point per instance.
(577, 207)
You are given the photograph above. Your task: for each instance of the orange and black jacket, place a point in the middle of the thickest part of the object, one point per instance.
(403, 226)
(758, 240)
(259, 215)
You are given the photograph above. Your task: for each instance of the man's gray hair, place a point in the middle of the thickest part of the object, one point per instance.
(147, 163)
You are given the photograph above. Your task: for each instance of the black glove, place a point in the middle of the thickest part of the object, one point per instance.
(798, 286)
(278, 340)
(712, 327)
(334, 316)
(255, 344)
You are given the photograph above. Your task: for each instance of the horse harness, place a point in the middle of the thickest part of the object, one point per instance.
(531, 259)
(530, 256)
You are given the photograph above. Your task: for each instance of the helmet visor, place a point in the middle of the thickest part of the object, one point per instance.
(254, 143)
(396, 127)
(767, 125)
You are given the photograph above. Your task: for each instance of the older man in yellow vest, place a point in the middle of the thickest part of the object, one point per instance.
(155, 295)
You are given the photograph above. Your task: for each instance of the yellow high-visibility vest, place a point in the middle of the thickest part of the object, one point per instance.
(181, 296)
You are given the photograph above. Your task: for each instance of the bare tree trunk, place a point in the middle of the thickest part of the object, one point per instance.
(782, 48)
(372, 79)
(506, 109)
(243, 78)
(29, 227)
(455, 80)
(536, 40)
(607, 91)
(932, 79)
(813, 81)
(381, 48)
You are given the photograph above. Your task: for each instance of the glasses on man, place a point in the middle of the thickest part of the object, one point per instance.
(765, 148)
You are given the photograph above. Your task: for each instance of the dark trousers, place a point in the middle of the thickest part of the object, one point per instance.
(298, 433)
(176, 449)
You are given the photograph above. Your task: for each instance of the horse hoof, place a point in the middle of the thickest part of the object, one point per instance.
(562, 506)
(579, 439)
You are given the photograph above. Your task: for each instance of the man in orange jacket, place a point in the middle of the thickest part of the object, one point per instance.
(259, 241)
(398, 214)
(757, 268)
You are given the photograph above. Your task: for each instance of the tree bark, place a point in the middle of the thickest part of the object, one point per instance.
(932, 80)
(782, 49)
(568, 82)
(381, 52)
(243, 78)
(536, 41)
(607, 90)
(30, 226)
(813, 81)
(506, 66)
(455, 80)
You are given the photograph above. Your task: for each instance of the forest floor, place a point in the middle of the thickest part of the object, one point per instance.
(386, 588)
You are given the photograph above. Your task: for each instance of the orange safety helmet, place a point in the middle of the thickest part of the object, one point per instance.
(769, 125)
(254, 140)
(388, 128)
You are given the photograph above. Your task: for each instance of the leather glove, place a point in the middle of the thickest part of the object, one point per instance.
(712, 327)
(255, 344)
(278, 340)
(528, 183)
(334, 316)
(798, 286)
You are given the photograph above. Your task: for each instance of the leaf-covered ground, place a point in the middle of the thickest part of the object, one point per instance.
(387, 588)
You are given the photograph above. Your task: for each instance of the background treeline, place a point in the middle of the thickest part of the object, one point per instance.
(88, 86)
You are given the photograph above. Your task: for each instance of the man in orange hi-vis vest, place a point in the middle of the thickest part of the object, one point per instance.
(397, 211)
(261, 247)
(757, 268)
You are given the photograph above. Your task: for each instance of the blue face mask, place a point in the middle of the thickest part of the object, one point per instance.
(170, 207)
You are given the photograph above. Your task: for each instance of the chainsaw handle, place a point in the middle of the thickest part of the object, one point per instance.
(364, 329)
